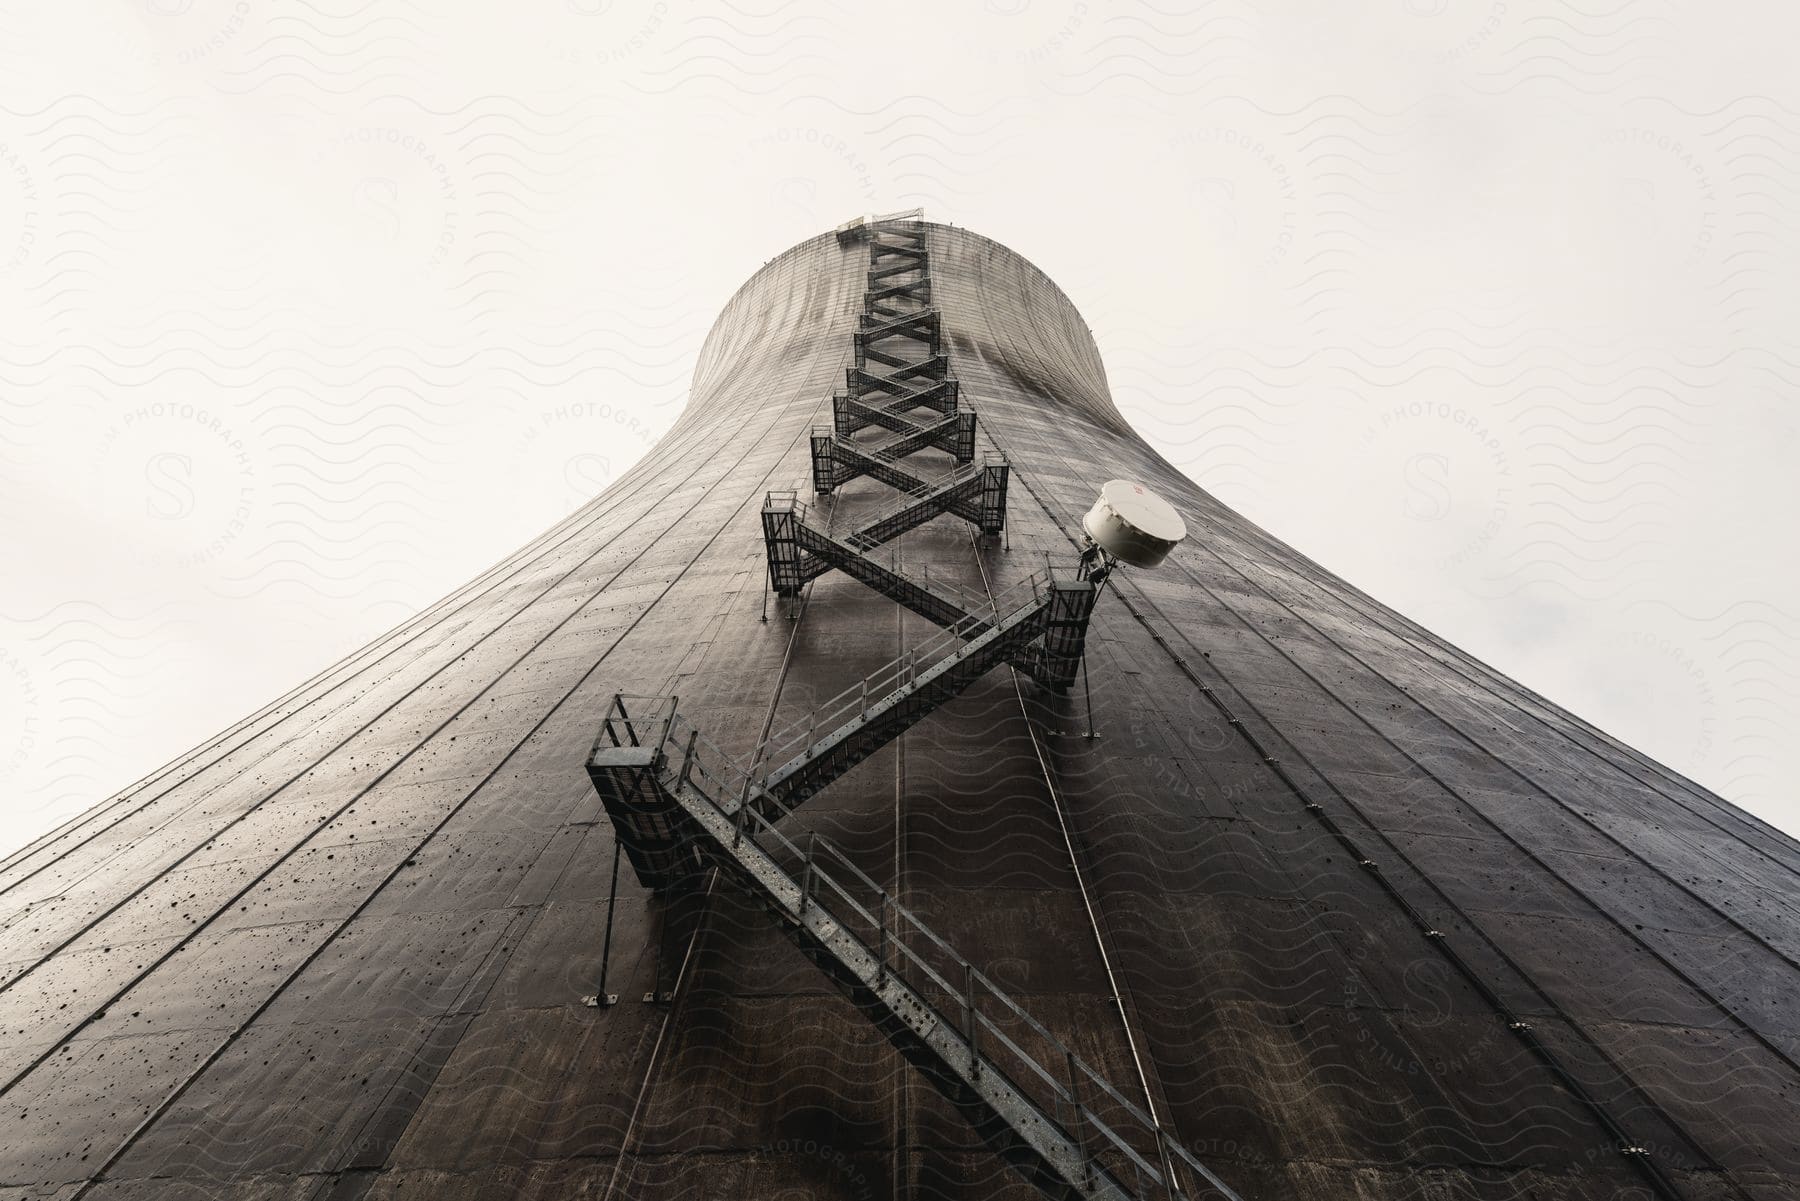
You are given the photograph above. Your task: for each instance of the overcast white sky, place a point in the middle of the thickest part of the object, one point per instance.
(314, 309)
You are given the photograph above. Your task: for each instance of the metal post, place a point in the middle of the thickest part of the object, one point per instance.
(865, 696)
(1087, 1161)
(742, 816)
(812, 845)
(969, 1018)
(1090, 698)
(1165, 1163)
(612, 904)
(881, 959)
(687, 760)
(668, 722)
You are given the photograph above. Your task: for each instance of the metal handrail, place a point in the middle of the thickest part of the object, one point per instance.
(796, 506)
(622, 728)
(713, 776)
(966, 473)
(834, 711)
(829, 871)
(911, 218)
(904, 946)
(877, 450)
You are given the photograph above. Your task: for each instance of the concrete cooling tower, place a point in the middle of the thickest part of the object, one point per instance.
(821, 813)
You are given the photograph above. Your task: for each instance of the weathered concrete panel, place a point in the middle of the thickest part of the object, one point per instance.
(1292, 895)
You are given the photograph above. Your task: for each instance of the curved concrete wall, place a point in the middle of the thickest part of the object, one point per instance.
(339, 951)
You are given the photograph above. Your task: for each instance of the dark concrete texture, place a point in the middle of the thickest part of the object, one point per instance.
(338, 952)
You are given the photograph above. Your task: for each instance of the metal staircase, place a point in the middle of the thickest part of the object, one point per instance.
(835, 736)
(680, 806)
(690, 806)
(899, 368)
(799, 552)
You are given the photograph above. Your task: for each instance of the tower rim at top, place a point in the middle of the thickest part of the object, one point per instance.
(722, 343)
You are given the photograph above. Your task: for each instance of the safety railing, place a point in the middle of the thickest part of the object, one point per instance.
(962, 473)
(654, 722)
(1114, 1133)
(715, 773)
(682, 751)
(636, 721)
(981, 1033)
(785, 500)
(968, 599)
(967, 473)
(924, 488)
(983, 611)
(904, 219)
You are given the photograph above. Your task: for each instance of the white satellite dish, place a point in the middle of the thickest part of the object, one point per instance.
(1133, 524)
